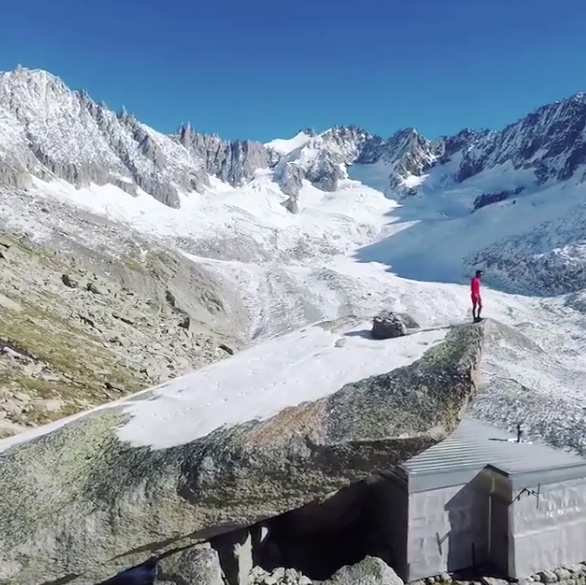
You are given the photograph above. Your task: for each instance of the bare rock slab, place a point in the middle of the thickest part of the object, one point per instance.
(124, 497)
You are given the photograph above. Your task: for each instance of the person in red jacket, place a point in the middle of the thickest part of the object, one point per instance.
(475, 294)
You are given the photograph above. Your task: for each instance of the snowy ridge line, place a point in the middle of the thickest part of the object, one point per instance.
(50, 131)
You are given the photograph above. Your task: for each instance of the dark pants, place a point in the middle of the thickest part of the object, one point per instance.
(476, 306)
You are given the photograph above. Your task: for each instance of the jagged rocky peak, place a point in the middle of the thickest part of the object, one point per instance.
(54, 131)
(409, 143)
(308, 132)
(233, 162)
(25, 83)
(324, 158)
(460, 142)
(548, 141)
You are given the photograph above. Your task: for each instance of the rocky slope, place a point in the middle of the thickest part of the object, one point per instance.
(84, 323)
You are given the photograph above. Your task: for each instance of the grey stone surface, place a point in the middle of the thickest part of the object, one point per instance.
(279, 576)
(198, 565)
(120, 505)
(569, 575)
(370, 571)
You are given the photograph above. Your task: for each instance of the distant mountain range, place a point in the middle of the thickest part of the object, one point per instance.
(48, 130)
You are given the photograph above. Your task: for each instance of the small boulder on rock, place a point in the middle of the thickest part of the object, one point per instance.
(369, 571)
(387, 325)
(68, 281)
(198, 565)
(93, 288)
(409, 321)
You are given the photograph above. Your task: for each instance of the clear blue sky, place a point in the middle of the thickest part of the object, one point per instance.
(261, 69)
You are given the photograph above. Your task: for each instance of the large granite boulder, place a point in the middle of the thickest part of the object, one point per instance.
(266, 431)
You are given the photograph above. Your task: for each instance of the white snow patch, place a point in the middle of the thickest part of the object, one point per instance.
(414, 181)
(337, 222)
(285, 146)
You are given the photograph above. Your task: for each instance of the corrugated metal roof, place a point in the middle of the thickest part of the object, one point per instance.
(474, 445)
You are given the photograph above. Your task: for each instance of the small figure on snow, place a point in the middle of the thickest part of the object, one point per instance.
(475, 294)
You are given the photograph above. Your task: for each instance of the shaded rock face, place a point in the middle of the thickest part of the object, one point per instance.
(319, 539)
(490, 198)
(232, 162)
(144, 574)
(120, 505)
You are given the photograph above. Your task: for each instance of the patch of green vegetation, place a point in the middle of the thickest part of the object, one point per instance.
(132, 264)
(459, 340)
(79, 358)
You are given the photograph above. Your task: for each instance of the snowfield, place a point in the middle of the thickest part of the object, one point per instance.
(353, 252)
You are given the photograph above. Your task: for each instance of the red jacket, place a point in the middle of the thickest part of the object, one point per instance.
(475, 287)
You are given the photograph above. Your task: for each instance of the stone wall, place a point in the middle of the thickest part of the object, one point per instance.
(569, 575)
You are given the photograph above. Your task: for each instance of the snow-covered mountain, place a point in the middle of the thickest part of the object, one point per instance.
(147, 254)
(48, 130)
(529, 178)
(545, 147)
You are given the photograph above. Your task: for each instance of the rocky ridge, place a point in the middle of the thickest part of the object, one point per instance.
(83, 323)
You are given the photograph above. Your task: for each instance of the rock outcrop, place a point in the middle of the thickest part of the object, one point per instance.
(121, 502)
(388, 325)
